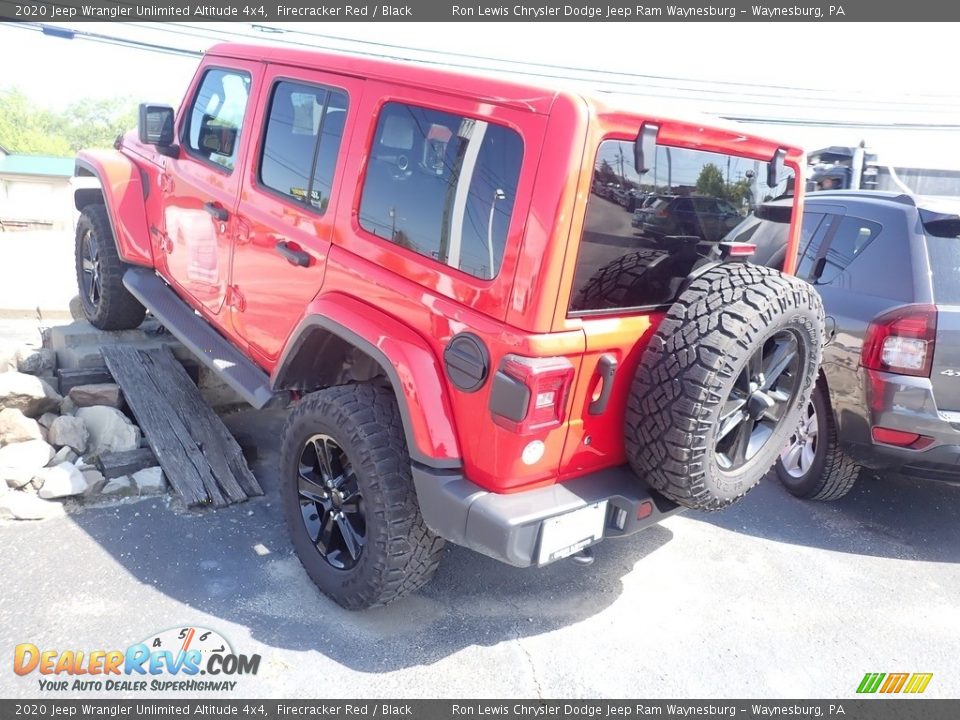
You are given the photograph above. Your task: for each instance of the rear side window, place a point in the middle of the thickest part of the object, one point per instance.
(302, 140)
(442, 185)
(850, 239)
(216, 116)
(640, 260)
(811, 237)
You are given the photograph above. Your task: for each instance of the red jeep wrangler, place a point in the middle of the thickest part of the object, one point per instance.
(483, 348)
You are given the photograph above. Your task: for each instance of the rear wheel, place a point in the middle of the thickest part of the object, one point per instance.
(104, 299)
(349, 499)
(722, 383)
(812, 466)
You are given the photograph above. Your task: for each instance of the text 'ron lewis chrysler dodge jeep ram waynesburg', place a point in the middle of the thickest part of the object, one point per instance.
(483, 351)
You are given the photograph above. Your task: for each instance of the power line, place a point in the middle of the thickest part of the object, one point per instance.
(172, 50)
(70, 34)
(751, 88)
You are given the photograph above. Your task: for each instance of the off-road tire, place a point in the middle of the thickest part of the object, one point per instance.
(115, 308)
(688, 371)
(833, 473)
(400, 554)
(615, 282)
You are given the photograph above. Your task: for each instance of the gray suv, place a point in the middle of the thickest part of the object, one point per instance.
(888, 269)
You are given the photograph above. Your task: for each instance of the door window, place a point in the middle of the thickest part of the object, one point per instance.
(302, 141)
(216, 117)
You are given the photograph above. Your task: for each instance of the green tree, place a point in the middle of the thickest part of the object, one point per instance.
(97, 122)
(710, 182)
(605, 173)
(28, 128)
(25, 128)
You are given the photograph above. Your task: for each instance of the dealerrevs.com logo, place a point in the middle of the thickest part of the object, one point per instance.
(169, 661)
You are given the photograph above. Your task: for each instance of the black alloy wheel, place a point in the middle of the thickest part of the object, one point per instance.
(758, 401)
(90, 265)
(330, 502)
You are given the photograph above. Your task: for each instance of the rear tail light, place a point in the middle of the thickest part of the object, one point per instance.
(901, 341)
(541, 383)
(900, 438)
(661, 213)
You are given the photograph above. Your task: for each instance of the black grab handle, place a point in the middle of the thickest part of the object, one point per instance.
(294, 257)
(217, 210)
(607, 367)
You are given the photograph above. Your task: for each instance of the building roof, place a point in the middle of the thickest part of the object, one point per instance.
(42, 165)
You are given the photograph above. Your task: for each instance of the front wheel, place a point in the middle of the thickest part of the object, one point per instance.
(812, 466)
(349, 499)
(104, 299)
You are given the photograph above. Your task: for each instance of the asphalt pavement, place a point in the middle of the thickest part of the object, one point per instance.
(773, 597)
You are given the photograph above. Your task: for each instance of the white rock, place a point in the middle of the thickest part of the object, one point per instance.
(16, 427)
(97, 394)
(27, 393)
(36, 362)
(23, 506)
(95, 480)
(8, 359)
(46, 420)
(64, 454)
(150, 481)
(69, 432)
(61, 480)
(110, 430)
(29, 455)
(117, 487)
(67, 406)
(17, 477)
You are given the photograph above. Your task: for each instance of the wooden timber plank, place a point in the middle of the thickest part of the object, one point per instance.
(219, 446)
(118, 464)
(179, 456)
(71, 377)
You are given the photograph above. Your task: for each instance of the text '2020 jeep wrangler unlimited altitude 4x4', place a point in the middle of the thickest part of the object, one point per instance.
(483, 353)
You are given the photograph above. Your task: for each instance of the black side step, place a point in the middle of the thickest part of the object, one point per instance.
(213, 349)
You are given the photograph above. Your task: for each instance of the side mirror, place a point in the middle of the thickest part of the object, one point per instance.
(775, 168)
(155, 124)
(645, 147)
(214, 138)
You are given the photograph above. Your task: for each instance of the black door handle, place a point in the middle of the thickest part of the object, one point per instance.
(607, 369)
(294, 257)
(217, 210)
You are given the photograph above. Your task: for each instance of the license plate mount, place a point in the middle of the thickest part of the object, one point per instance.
(566, 534)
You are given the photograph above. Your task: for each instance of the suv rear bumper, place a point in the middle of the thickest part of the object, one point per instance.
(510, 528)
(902, 402)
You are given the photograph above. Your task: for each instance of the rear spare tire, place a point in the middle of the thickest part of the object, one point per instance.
(722, 384)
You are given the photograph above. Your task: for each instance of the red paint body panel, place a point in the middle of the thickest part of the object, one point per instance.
(409, 305)
(420, 374)
(123, 191)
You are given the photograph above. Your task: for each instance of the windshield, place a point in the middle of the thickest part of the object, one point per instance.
(637, 255)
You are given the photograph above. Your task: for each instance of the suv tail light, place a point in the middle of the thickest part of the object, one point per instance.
(901, 341)
(529, 394)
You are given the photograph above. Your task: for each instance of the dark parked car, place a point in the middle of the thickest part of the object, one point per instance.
(709, 218)
(887, 267)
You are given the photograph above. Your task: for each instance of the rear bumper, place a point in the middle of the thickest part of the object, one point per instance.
(510, 527)
(904, 403)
